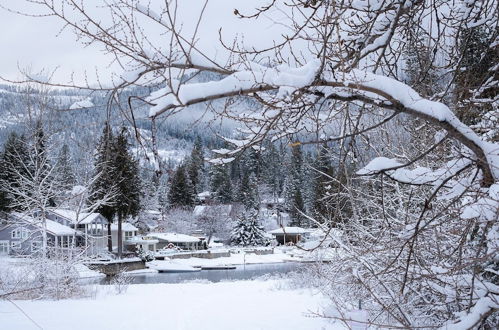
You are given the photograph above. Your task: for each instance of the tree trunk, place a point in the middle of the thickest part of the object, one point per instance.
(109, 237)
(120, 237)
(44, 235)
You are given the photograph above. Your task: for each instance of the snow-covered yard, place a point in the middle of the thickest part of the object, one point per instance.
(258, 304)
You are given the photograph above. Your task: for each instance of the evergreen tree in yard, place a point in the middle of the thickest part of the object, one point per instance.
(15, 163)
(181, 193)
(294, 185)
(272, 173)
(248, 192)
(221, 185)
(248, 231)
(104, 180)
(128, 185)
(63, 171)
(42, 170)
(250, 161)
(323, 174)
(195, 165)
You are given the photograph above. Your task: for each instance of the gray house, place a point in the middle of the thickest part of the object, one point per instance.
(91, 226)
(21, 234)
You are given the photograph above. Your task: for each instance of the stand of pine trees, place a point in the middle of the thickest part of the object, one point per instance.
(116, 171)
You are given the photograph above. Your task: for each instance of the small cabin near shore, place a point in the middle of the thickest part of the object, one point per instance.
(288, 235)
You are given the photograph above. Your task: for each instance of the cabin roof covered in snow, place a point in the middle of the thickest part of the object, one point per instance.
(52, 227)
(75, 217)
(288, 230)
(174, 237)
(125, 226)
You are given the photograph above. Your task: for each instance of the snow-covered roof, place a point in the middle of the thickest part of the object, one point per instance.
(174, 237)
(288, 230)
(141, 240)
(125, 226)
(75, 217)
(52, 227)
(58, 229)
(204, 195)
(87, 103)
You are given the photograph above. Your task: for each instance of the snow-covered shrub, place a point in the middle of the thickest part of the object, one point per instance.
(121, 281)
(40, 278)
(145, 255)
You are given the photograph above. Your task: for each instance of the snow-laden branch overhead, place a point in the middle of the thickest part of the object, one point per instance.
(354, 85)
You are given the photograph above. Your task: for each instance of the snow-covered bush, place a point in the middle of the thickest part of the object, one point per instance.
(121, 281)
(40, 278)
(145, 255)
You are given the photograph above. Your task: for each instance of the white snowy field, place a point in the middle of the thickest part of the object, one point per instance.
(258, 304)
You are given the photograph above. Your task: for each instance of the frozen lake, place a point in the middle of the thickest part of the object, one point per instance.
(242, 272)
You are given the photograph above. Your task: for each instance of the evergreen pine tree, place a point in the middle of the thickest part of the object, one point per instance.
(221, 185)
(294, 184)
(15, 163)
(248, 192)
(104, 179)
(272, 173)
(323, 175)
(195, 165)
(41, 165)
(248, 231)
(128, 185)
(63, 170)
(181, 193)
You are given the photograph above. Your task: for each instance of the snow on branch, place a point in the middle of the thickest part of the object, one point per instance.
(482, 308)
(417, 176)
(355, 85)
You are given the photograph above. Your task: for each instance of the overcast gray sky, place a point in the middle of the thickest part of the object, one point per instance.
(35, 43)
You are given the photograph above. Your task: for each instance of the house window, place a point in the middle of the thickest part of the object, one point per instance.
(65, 241)
(4, 247)
(15, 245)
(19, 233)
(35, 246)
(129, 235)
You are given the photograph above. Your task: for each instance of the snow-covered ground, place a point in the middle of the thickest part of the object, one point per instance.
(258, 304)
